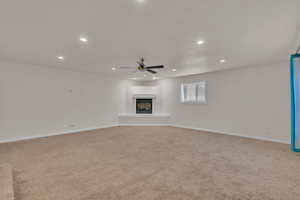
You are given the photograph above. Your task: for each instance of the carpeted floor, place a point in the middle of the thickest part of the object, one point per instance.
(152, 163)
(6, 183)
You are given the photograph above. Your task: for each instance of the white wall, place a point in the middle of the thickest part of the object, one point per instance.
(36, 101)
(39, 101)
(252, 101)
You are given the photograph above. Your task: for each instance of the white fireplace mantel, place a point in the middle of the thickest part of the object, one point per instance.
(131, 118)
(136, 92)
(146, 96)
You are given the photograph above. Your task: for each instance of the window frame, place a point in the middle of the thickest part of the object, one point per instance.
(196, 84)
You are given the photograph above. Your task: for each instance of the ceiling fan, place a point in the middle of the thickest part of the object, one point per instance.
(143, 68)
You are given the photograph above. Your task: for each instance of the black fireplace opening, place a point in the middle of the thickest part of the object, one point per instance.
(143, 106)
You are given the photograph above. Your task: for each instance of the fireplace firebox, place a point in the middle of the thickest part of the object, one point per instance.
(143, 106)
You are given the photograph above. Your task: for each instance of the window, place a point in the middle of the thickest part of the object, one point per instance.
(193, 92)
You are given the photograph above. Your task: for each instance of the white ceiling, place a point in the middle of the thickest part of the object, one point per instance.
(244, 32)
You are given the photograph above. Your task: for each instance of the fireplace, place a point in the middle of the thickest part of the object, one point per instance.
(143, 106)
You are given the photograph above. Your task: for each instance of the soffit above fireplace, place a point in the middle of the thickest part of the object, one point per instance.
(143, 90)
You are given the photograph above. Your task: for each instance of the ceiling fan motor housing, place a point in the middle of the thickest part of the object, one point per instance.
(141, 67)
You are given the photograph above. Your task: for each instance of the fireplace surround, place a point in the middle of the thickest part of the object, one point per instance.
(149, 111)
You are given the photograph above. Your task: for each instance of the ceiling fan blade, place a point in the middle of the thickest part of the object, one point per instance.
(151, 71)
(155, 67)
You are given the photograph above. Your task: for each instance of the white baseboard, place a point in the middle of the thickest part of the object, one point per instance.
(115, 125)
(56, 134)
(144, 125)
(232, 134)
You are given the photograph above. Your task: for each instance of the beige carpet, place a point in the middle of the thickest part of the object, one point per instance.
(152, 163)
(6, 183)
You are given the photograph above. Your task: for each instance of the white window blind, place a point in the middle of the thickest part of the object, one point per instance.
(193, 92)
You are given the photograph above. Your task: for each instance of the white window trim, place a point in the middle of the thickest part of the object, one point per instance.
(204, 83)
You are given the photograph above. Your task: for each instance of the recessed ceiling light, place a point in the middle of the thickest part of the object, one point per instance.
(200, 42)
(60, 58)
(222, 61)
(174, 70)
(140, 1)
(83, 39)
(154, 78)
(114, 69)
(145, 75)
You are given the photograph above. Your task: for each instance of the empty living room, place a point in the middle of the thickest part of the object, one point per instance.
(149, 100)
